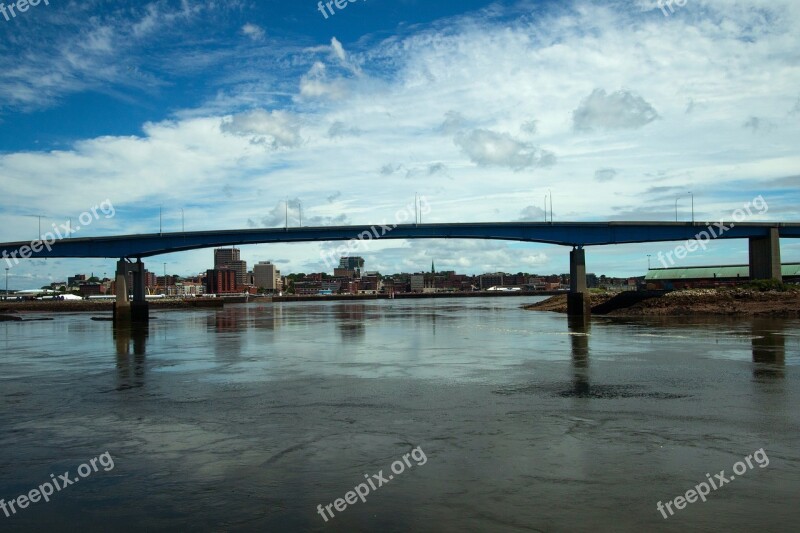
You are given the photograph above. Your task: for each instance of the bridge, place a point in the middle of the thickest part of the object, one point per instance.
(764, 245)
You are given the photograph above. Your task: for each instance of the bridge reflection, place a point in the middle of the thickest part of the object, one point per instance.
(130, 342)
(769, 348)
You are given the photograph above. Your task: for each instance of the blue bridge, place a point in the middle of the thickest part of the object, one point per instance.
(764, 244)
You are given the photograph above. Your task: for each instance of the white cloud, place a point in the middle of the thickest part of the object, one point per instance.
(488, 148)
(254, 32)
(619, 110)
(276, 129)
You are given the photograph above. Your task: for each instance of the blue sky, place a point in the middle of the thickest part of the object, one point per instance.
(226, 109)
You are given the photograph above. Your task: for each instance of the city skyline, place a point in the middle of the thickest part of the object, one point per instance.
(279, 115)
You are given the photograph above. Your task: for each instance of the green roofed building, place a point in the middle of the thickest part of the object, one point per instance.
(709, 276)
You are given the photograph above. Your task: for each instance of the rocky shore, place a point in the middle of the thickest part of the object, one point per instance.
(737, 302)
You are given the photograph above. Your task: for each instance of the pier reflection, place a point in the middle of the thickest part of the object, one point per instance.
(131, 346)
(579, 328)
(769, 348)
(350, 319)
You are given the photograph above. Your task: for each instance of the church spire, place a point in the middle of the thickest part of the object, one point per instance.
(433, 268)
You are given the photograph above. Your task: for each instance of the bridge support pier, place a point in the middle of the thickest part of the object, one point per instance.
(137, 310)
(765, 256)
(578, 301)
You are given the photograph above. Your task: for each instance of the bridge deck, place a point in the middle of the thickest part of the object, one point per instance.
(560, 233)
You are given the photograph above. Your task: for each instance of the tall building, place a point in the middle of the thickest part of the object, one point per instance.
(229, 259)
(220, 281)
(267, 276)
(352, 263)
(224, 256)
(240, 267)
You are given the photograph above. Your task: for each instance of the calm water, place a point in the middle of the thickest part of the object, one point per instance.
(246, 419)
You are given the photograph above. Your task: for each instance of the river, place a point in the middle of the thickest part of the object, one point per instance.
(251, 417)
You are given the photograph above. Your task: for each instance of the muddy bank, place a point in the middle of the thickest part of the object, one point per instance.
(737, 302)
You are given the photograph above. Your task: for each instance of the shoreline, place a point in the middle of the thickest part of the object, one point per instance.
(692, 302)
(15, 309)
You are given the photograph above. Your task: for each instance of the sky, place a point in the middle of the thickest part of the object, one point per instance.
(217, 114)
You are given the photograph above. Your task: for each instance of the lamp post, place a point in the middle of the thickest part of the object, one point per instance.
(183, 222)
(550, 194)
(7, 268)
(692, 195)
(545, 208)
(40, 223)
(676, 209)
(648, 261)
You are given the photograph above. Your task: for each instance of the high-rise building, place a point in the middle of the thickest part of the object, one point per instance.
(352, 263)
(224, 256)
(220, 281)
(229, 259)
(240, 267)
(267, 276)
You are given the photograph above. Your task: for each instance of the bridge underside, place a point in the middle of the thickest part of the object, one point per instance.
(764, 246)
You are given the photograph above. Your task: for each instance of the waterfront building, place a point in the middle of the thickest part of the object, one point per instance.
(267, 276)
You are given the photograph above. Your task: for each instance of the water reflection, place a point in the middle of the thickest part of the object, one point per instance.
(228, 327)
(350, 319)
(769, 348)
(579, 328)
(131, 347)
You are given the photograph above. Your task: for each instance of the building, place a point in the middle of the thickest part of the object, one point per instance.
(225, 256)
(240, 267)
(355, 264)
(488, 281)
(190, 289)
(709, 276)
(267, 276)
(220, 281)
(90, 289)
(75, 280)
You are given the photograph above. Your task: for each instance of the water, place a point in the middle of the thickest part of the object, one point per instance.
(248, 418)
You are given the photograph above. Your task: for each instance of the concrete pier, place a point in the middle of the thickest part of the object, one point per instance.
(765, 256)
(578, 302)
(125, 310)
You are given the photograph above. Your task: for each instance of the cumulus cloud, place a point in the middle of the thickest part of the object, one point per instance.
(615, 111)
(604, 174)
(253, 31)
(489, 148)
(316, 83)
(275, 129)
